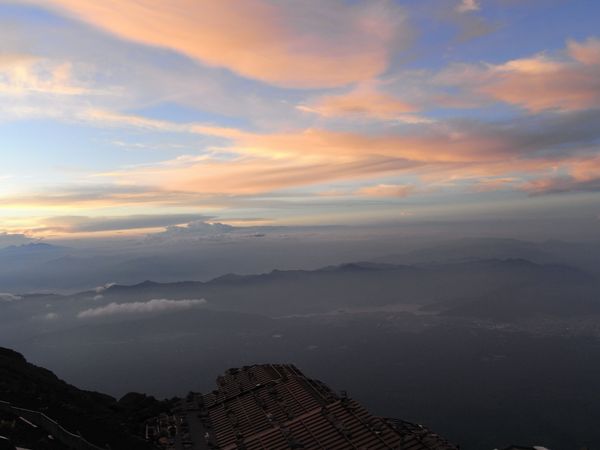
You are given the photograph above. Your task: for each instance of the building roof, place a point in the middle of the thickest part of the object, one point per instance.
(521, 447)
(276, 407)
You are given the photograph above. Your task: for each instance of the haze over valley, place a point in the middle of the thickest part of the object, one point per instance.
(442, 324)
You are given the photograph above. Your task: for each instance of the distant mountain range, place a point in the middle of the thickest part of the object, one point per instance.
(499, 290)
(47, 267)
(495, 289)
(584, 255)
(28, 249)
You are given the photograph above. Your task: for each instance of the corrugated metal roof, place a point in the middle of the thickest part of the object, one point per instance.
(276, 407)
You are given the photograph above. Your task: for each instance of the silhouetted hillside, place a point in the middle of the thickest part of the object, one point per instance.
(99, 418)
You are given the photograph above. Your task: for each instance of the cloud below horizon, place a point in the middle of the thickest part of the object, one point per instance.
(9, 239)
(83, 224)
(149, 307)
(6, 297)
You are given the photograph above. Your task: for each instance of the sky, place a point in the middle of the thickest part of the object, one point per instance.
(124, 116)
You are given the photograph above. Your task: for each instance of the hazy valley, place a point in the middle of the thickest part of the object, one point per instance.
(471, 346)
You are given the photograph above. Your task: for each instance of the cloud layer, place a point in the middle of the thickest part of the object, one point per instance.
(563, 82)
(83, 224)
(6, 297)
(135, 308)
(8, 239)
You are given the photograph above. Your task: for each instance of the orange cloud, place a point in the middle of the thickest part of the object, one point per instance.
(468, 6)
(578, 175)
(304, 44)
(587, 52)
(433, 144)
(25, 74)
(386, 190)
(564, 87)
(363, 101)
(251, 176)
(439, 154)
(495, 184)
(327, 157)
(109, 118)
(585, 169)
(213, 184)
(439, 145)
(566, 82)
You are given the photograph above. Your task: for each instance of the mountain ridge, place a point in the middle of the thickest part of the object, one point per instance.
(99, 418)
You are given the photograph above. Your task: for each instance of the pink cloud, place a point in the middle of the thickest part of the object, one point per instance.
(581, 175)
(468, 6)
(364, 101)
(303, 44)
(387, 190)
(568, 81)
(22, 74)
(587, 52)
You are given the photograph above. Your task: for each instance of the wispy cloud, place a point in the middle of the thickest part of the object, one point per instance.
(582, 175)
(104, 287)
(149, 307)
(363, 101)
(386, 190)
(25, 74)
(266, 163)
(83, 224)
(567, 81)
(196, 229)
(468, 6)
(6, 297)
(305, 44)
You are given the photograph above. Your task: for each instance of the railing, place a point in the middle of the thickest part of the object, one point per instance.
(73, 441)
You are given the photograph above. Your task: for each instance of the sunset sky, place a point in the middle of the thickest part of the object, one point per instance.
(119, 116)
